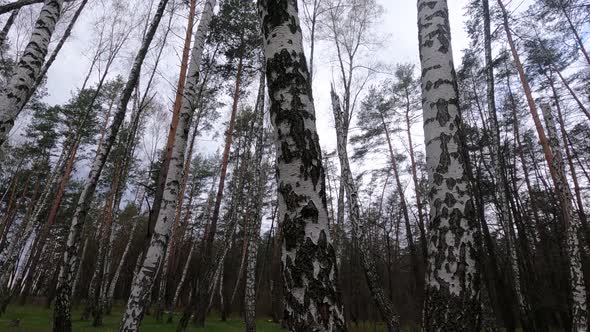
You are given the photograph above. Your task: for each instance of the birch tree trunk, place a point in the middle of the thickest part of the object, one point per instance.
(562, 191)
(377, 292)
(56, 50)
(117, 274)
(500, 174)
(260, 178)
(572, 227)
(452, 276)
(62, 315)
(309, 260)
(161, 184)
(14, 97)
(144, 280)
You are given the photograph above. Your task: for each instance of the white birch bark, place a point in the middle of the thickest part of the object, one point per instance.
(256, 209)
(452, 276)
(308, 254)
(572, 227)
(62, 315)
(500, 171)
(147, 274)
(117, 274)
(13, 99)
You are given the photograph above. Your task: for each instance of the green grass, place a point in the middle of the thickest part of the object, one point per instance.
(39, 319)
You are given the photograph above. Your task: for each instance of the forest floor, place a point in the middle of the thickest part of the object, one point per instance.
(38, 319)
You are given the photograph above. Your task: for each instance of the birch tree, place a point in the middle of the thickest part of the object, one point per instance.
(62, 315)
(144, 280)
(452, 272)
(13, 99)
(309, 259)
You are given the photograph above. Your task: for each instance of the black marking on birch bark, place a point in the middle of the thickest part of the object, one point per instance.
(312, 302)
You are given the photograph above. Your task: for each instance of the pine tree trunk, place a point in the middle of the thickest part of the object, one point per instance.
(104, 248)
(308, 254)
(14, 97)
(359, 231)
(144, 281)
(62, 315)
(452, 277)
(421, 217)
(207, 266)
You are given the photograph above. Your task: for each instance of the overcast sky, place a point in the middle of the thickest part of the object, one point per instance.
(397, 29)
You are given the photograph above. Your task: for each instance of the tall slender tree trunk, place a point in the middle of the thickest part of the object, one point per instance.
(452, 276)
(62, 315)
(122, 261)
(404, 210)
(577, 36)
(572, 227)
(577, 288)
(359, 231)
(421, 218)
(158, 196)
(308, 254)
(259, 185)
(500, 176)
(56, 50)
(206, 266)
(14, 97)
(143, 282)
(176, 234)
(37, 248)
